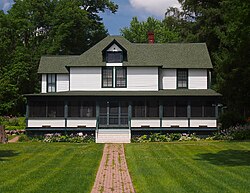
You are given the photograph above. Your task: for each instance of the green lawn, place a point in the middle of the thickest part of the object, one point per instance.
(53, 167)
(190, 166)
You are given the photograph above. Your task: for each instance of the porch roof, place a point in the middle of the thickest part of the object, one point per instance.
(169, 92)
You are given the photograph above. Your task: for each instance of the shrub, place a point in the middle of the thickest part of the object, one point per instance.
(231, 119)
(77, 138)
(23, 138)
(158, 137)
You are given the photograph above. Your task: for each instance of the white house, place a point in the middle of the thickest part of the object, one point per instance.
(118, 88)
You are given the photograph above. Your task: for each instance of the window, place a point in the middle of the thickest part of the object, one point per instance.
(114, 57)
(107, 77)
(51, 82)
(118, 75)
(182, 78)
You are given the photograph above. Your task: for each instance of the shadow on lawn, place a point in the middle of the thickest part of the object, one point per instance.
(227, 158)
(7, 153)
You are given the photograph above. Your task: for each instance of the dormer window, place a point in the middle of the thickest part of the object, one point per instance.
(114, 57)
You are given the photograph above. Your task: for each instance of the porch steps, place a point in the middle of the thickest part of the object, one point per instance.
(113, 136)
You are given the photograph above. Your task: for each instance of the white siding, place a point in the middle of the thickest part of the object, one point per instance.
(44, 83)
(197, 78)
(175, 122)
(115, 48)
(142, 78)
(85, 78)
(138, 78)
(168, 78)
(62, 82)
(145, 122)
(50, 122)
(81, 122)
(200, 122)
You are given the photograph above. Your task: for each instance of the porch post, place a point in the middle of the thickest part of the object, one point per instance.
(217, 114)
(97, 115)
(129, 114)
(160, 112)
(66, 113)
(27, 114)
(189, 112)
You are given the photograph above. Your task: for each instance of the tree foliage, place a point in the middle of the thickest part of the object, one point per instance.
(34, 28)
(137, 31)
(225, 27)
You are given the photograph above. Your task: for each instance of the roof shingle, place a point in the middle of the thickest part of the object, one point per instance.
(169, 55)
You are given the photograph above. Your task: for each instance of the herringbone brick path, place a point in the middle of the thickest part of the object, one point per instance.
(113, 175)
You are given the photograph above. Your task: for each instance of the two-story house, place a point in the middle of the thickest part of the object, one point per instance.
(118, 88)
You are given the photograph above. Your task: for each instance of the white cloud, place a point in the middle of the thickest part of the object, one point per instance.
(154, 7)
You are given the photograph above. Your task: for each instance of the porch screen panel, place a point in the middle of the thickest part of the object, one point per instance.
(103, 113)
(124, 113)
(168, 109)
(37, 109)
(209, 109)
(120, 77)
(74, 109)
(88, 109)
(152, 108)
(196, 109)
(139, 109)
(55, 109)
(107, 77)
(181, 109)
(113, 113)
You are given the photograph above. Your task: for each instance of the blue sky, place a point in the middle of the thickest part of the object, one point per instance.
(127, 9)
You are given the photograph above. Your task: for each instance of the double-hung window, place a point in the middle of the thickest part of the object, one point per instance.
(114, 77)
(120, 77)
(51, 82)
(182, 78)
(107, 77)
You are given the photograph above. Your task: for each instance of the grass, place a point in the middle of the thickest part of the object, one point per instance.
(189, 166)
(53, 167)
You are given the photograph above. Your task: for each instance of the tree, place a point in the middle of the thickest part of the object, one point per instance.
(137, 31)
(34, 28)
(224, 26)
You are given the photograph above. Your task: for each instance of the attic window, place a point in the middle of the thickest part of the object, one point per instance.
(114, 57)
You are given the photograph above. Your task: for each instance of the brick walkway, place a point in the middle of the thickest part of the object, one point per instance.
(113, 175)
(14, 140)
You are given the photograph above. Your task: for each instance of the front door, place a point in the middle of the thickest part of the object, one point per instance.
(113, 114)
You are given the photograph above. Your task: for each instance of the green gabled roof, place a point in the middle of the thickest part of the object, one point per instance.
(169, 55)
(55, 64)
(169, 92)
